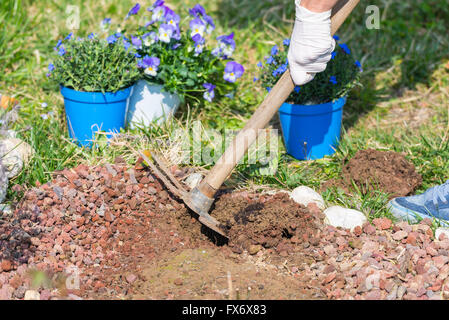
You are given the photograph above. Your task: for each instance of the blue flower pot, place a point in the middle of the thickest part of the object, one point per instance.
(311, 131)
(90, 112)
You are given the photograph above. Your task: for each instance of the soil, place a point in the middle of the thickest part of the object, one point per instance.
(128, 238)
(372, 169)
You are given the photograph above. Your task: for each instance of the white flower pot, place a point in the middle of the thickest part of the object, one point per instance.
(148, 102)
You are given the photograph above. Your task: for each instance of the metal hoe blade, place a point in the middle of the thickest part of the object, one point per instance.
(194, 199)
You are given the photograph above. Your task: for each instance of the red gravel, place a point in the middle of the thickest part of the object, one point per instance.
(116, 226)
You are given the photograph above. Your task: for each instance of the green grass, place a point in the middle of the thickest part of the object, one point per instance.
(402, 105)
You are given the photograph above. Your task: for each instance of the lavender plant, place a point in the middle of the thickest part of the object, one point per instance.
(182, 60)
(341, 75)
(93, 64)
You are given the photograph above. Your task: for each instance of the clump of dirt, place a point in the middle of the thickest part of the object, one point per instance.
(387, 171)
(264, 220)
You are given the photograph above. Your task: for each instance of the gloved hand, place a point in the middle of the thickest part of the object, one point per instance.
(311, 44)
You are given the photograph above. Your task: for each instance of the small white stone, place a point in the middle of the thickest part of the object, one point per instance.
(193, 180)
(14, 153)
(32, 295)
(441, 230)
(342, 217)
(305, 195)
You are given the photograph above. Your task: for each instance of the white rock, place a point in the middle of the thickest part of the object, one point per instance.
(342, 217)
(193, 180)
(14, 154)
(305, 195)
(32, 295)
(441, 230)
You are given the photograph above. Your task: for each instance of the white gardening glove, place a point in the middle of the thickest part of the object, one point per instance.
(311, 44)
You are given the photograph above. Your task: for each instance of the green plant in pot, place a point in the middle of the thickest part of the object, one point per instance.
(179, 63)
(96, 77)
(312, 115)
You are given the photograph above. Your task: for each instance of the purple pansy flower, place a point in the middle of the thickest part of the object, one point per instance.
(150, 64)
(134, 10)
(210, 24)
(150, 38)
(159, 13)
(199, 43)
(166, 32)
(172, 18)
(227, 44)
(137, 43)
(209, 94)
(197, 26)
(217, 52)
(156, 4)
(233, 71)
(197, 11)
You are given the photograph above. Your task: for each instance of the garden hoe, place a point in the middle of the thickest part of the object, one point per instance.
(200, 198)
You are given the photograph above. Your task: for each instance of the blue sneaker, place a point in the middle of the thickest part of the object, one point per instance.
(434, 203)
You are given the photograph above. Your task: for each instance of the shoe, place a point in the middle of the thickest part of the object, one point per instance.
(433, 204)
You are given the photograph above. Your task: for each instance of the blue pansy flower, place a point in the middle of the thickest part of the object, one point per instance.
(51, 67)
(126, 44)
(274, 50)
(270, 60)
(233, 71)
(359, 65)
(297, 89)
(61, 51)
(255, 79)
(159, 13)
(286, 42)
(91, 36)
(333, 79)
(69, 36)
(345, 48)
(333, 54)
(336, 37)
(209, 94)
(111, 39)
(260, 65)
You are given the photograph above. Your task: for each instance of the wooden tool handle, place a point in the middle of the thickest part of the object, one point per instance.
(278, 94)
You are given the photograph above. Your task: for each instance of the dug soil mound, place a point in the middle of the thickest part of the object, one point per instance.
(387, 171)
(264, 220)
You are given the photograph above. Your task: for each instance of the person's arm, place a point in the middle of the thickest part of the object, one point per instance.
(311, 42)
(318, 5)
